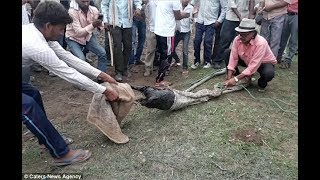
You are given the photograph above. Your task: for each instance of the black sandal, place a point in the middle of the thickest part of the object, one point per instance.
(284, 65)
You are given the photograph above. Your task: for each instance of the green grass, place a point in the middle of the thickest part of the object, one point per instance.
(191, 143)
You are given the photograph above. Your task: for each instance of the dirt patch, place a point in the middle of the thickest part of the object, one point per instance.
(248, 135)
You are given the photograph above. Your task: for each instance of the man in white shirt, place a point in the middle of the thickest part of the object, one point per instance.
(39, 45)
(183, 33)
(208, 19)
(167, 12)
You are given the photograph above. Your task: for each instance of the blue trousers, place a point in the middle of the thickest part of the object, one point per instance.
(93, 46)
(35, 119)
(137, 48)
(208, 31)
(289, 33)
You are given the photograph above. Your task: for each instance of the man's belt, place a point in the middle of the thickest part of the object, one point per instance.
(292, 13)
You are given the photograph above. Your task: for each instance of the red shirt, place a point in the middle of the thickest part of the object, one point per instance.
(293, 7)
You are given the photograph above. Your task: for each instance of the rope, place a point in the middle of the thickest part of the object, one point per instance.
(220, 86)
(273, 100)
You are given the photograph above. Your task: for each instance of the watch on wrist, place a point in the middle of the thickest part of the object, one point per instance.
(235, 79)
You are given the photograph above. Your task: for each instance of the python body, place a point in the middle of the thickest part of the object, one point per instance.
(172, 99)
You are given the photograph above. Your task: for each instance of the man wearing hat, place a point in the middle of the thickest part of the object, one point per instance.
(252, 51)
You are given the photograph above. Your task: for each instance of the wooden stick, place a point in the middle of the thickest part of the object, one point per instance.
(110, 47)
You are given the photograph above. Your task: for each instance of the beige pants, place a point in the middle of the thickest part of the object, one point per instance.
(151, 50)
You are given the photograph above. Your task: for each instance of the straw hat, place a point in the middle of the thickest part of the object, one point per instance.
(246, 25)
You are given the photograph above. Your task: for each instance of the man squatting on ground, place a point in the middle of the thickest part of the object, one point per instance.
(252, 51)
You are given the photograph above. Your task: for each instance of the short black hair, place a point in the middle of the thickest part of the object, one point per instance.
(50, 12)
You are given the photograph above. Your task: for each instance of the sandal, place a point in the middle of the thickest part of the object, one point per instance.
(185, 72)
(68, 140)
(79, 156)
(284, 65)
(175, 64)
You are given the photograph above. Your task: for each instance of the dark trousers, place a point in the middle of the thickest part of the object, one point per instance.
(122, 45)
(165, 45)
(25, 72)
(156, 61)
(35, 119)
(228, 33)
(266, 70)
(216, 41)
(185, 37)
(106, 45)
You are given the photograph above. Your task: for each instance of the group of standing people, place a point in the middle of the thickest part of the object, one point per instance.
(167, 22)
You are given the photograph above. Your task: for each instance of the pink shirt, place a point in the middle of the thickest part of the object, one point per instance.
(293, 7)
(80, 30)
(253, 54)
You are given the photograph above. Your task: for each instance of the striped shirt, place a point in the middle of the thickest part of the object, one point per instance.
(25, 15)
(55, 59)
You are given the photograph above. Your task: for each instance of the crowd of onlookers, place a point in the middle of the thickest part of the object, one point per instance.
(159, 26)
